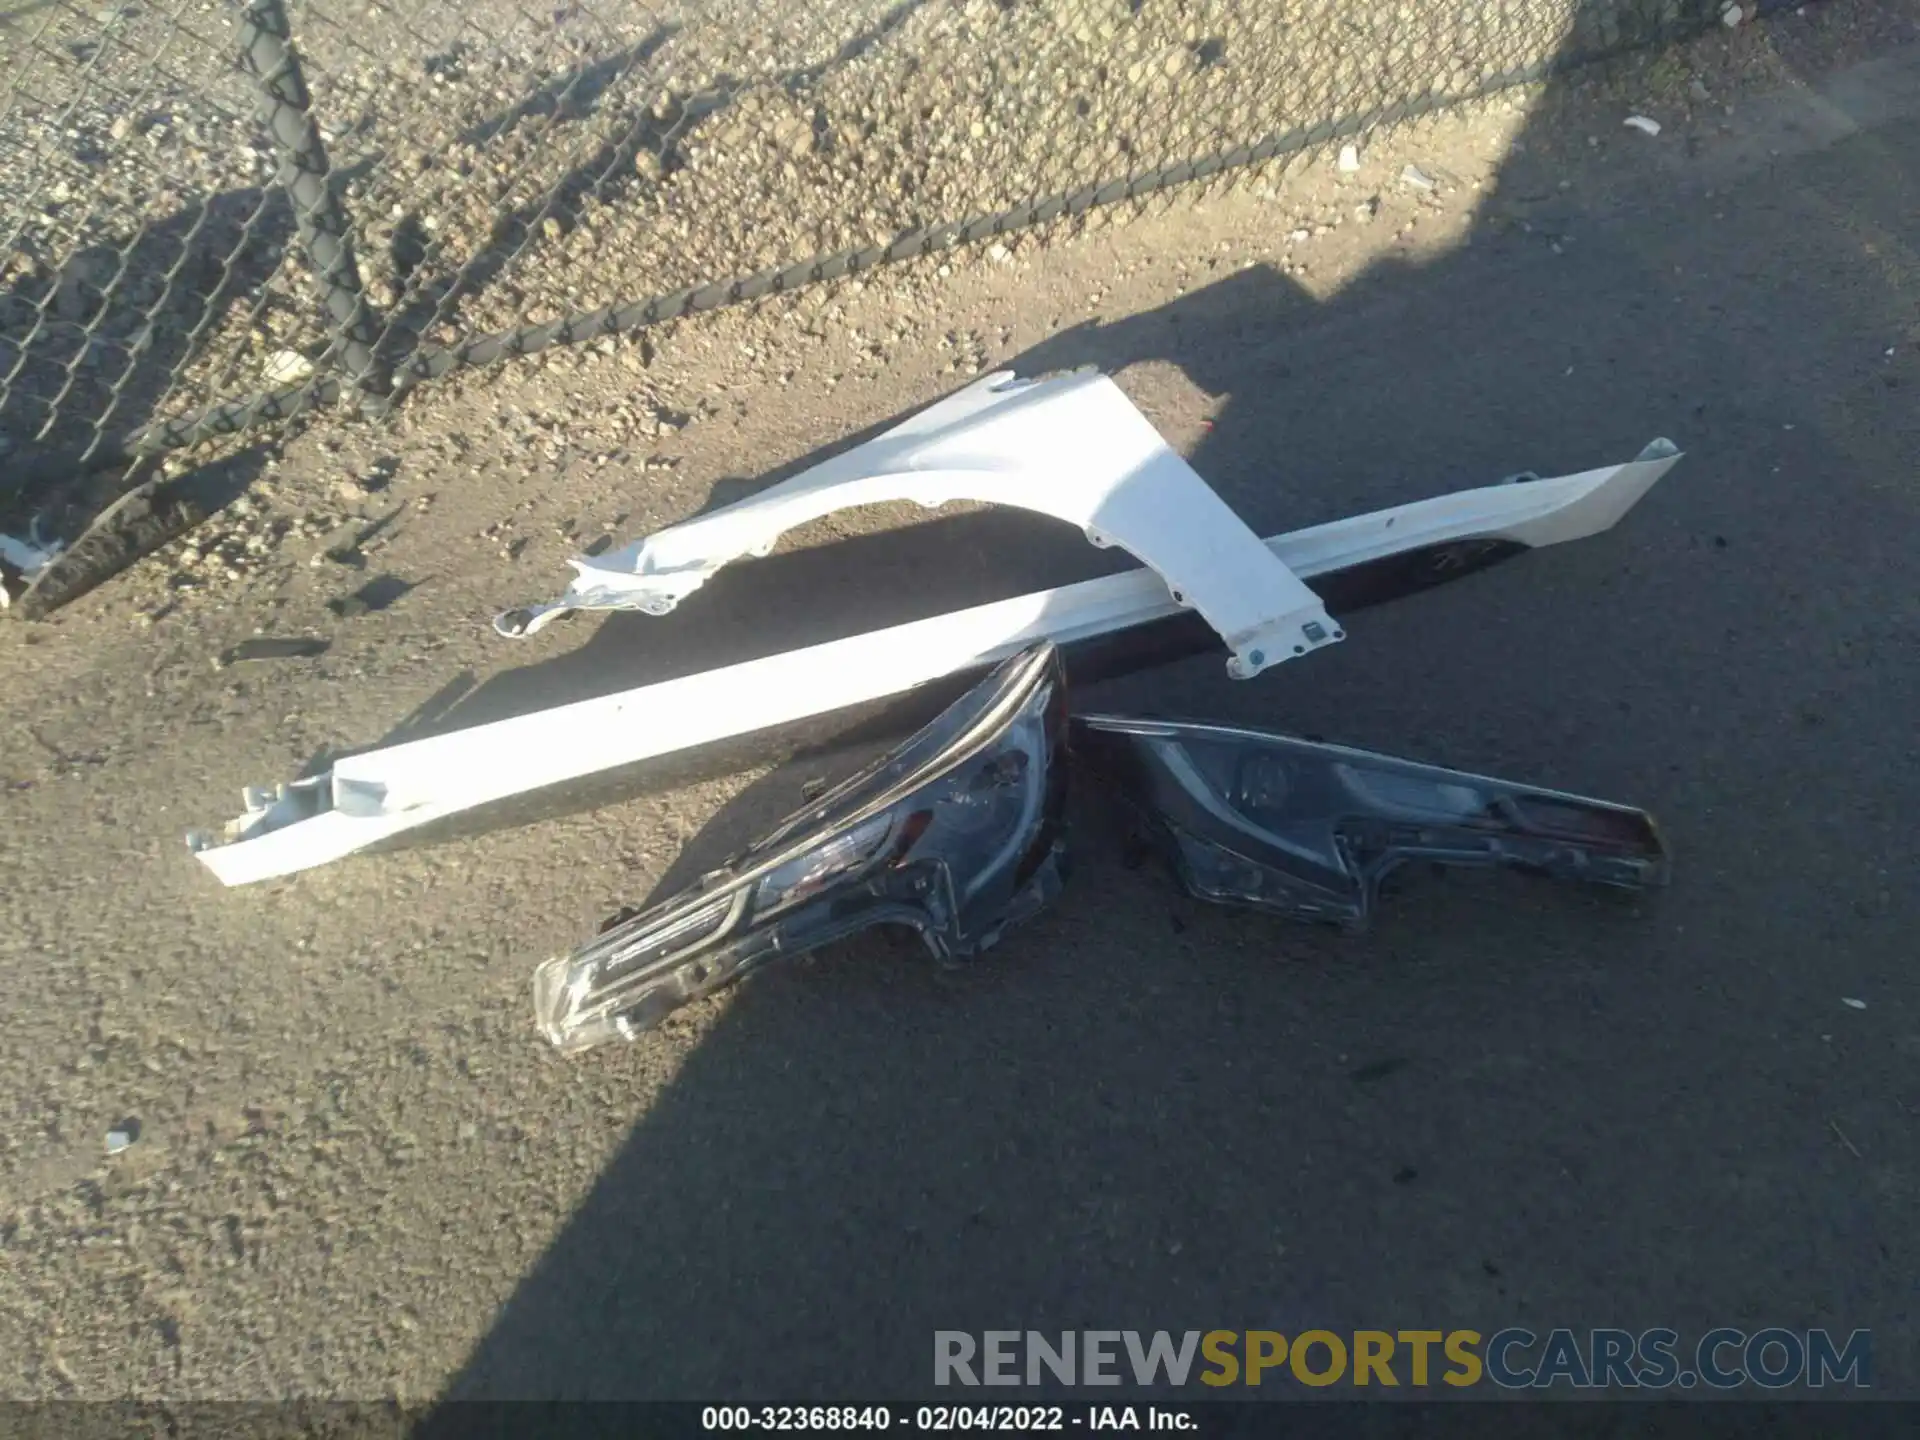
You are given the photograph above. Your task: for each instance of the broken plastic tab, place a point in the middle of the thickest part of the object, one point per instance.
(1073, 447)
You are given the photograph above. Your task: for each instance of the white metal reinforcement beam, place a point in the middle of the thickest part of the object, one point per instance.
(369, 798)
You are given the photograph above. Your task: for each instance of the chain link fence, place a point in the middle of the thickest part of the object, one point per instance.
(219, 215)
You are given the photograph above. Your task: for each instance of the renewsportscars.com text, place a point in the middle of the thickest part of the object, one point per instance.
(1512, 1358)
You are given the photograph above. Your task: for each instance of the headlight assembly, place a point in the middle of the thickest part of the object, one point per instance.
(955, 834)
(1310, 830)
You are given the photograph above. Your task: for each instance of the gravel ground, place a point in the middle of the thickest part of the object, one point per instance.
(507, 165)
(355, 1171)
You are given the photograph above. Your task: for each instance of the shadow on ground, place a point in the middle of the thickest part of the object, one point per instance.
(1511, 1105)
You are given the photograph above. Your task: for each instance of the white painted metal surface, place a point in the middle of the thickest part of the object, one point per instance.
(1073, 447)
(372, 797)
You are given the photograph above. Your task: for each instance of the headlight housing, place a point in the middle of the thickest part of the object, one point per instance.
(955, 834)
(1310, 830)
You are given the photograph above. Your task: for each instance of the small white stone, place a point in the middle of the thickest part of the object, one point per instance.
(287, 367)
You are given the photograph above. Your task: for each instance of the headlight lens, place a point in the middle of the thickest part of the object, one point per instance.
(955, 834)
(1310, 829)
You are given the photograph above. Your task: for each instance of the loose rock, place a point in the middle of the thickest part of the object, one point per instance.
(287, 367)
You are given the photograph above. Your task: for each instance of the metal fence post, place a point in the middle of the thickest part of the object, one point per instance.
(266, 45)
